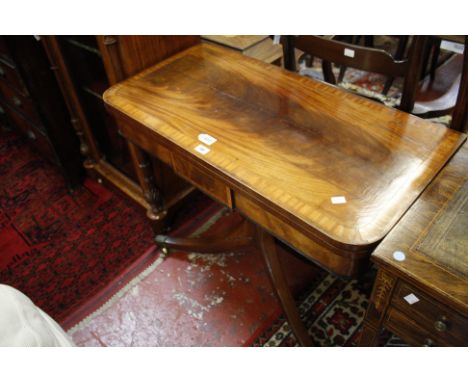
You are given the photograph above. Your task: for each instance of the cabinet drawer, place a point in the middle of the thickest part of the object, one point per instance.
(23, 104)
(37, 138)
(11, 76)
(203, 179)
(433, 316)
(408, 330)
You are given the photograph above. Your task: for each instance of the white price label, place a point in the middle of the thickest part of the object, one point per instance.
(338, 200)
(202, 149)
(452, 46)
(206, 139)
(411, 299)
(349, 52)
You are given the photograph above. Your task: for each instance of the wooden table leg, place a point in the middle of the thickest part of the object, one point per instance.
(151, 193)
(380, 299)
(370, 335)
(278, 278)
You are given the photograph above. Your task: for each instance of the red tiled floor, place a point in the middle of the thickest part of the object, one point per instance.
(193, 300)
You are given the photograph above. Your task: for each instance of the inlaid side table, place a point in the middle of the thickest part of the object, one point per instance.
(421, 289)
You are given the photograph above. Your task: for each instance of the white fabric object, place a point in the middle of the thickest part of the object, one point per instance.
(24, 324)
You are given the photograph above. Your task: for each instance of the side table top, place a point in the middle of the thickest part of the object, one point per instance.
(340, 167)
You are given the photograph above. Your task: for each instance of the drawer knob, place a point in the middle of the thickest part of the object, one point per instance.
(428, 342)
(441, 324)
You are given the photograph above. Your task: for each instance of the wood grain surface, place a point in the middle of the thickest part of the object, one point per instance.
(287, 142)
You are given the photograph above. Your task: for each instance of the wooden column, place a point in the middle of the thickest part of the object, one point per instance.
(88, 146)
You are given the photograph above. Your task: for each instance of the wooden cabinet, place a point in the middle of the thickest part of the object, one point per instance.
(86, 66)
(421, 289)
(32, 103)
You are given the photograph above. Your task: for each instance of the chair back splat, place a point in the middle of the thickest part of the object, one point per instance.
(362, 58)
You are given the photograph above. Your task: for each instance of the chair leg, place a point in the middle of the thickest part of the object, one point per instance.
(278, 278)
(342, 73)
(289, 53)
(327, 70)
(434, 59)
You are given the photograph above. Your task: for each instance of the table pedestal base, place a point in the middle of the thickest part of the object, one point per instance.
(243, 235)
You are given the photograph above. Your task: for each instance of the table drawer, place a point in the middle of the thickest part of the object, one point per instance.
(203, 179)
(430, 314)
(11, 76)
(23, 104)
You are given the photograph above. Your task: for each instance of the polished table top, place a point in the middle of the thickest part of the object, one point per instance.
(292, 142)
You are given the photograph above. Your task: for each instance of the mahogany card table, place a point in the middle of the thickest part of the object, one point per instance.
(326, 171)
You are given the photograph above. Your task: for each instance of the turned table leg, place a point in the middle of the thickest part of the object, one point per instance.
(156, 213)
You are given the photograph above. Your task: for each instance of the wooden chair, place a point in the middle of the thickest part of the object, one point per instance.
(362, 58)
(368, 41)
(378, 61)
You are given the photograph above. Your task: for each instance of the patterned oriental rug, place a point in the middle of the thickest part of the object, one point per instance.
(62, 248)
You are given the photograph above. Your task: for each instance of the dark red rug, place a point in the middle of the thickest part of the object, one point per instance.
(57, 247)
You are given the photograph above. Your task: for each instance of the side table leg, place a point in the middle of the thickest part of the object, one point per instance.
(380, 299)
(278, 278)
(156, 213)
(370, 335)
